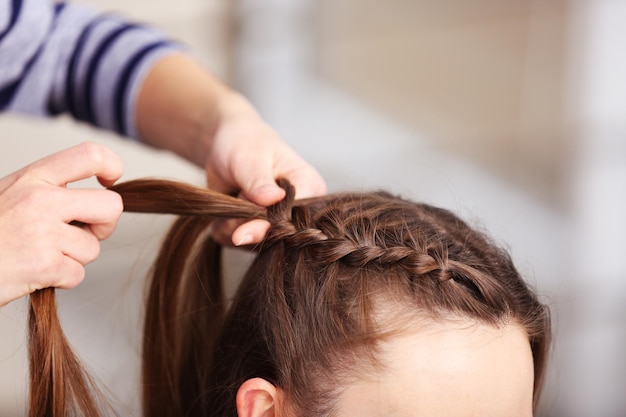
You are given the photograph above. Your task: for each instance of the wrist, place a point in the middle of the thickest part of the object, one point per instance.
(228, 108)
(181, 107)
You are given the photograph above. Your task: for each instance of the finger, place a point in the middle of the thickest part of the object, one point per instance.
(261, 187)
(70, 273)
(100, 209)
(61, 271)
(307, 182)
(79, 162)
(80, 244)
(103, 230)
(264, 192)
(250, 233)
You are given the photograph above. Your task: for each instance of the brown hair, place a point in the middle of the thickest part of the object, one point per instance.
(59, 385)
(303, 315)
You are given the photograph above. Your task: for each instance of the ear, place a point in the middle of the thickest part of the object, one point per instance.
(257, 398)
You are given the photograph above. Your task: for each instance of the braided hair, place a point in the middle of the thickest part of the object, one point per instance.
(306, 315)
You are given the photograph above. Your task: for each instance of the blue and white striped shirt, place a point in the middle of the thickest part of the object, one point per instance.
(59, 57)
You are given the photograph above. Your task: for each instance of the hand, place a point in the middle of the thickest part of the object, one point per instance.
(48, 233)
(184, 108)
(247, 156)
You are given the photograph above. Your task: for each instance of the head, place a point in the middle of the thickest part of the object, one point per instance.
(356, 304)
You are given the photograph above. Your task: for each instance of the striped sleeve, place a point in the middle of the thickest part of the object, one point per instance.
(65, 58)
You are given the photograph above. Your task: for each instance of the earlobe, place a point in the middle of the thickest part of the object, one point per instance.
(257, 398)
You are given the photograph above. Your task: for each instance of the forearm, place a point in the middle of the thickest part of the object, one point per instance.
(181, 105)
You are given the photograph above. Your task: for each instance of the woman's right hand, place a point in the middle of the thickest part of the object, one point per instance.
(48, 233)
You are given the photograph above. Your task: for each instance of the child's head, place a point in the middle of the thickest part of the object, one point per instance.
(356, 304)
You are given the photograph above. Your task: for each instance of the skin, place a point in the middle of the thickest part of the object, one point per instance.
(443, 369)
(180, 107)
(39, 247)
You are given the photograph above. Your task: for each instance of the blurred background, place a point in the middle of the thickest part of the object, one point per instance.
(509, 112)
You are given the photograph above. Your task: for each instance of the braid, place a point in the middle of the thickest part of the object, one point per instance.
(332, 237)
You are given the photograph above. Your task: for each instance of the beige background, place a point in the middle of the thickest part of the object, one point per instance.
(485, 78)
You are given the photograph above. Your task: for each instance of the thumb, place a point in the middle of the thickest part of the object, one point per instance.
(264, 192)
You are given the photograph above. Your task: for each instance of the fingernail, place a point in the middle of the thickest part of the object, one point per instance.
(245, 240)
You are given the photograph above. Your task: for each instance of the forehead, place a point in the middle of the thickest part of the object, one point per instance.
(443, 369)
